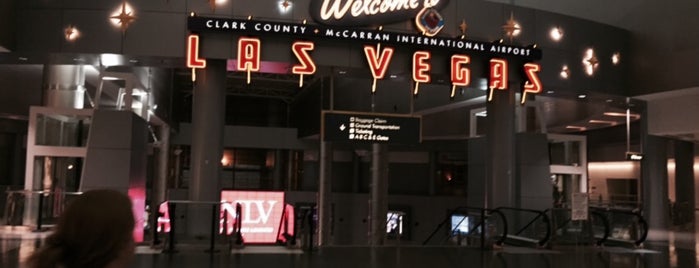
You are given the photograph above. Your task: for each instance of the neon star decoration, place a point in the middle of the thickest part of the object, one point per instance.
(285, 6)
(590, 62)
(511, 28)
(462, 27)
(124, 18)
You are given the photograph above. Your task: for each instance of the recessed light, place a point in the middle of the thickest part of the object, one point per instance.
(393, 76)
(610, 100)
(565, 72)
(616, 57)
(577, 128)
(556, 34)
(582, 96)
(616, 114)
(593, 121)
(549, 92)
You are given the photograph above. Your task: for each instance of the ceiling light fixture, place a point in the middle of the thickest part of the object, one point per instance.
(613, 123)
(616, 114)
(579, 128)
(582, 96)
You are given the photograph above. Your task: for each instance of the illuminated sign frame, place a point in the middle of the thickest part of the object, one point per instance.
(348, 126)
(378, 59)
(309, 31)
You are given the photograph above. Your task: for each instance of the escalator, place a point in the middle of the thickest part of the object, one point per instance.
(470, 227)
(617, 227)
(528, 227)
(627, 227)
(594, 231)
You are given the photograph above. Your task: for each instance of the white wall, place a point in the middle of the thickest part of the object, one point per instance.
(599, 172)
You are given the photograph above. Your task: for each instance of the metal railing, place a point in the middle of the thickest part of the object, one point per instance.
(216, 219)
(48, 206)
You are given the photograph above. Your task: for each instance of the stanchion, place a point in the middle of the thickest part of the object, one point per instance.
(213, 230)
(310, 230)
(171, 243)
(41, 209)
(483, 229)
(154, 215)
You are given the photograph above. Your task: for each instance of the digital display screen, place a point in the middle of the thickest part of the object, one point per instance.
(394, 222)
(460, 224)
(261, 214)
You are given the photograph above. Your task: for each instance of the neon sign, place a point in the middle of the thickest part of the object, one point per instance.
(460, 75)
(378, 64)
(378, 61)
(249, 55)
(369, 12)
(306, 65)
(421, 68)
(193, 60)
(498, 76)
(533, 84)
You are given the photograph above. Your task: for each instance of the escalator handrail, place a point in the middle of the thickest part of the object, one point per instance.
(465, 209)
(607, 228)
(635, 212)
(543, 241)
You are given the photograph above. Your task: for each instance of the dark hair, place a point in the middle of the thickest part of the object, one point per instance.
(93, 231)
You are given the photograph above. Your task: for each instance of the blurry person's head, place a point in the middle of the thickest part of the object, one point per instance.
(95, 230)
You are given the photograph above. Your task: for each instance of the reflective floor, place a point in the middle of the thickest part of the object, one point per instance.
(671, 249)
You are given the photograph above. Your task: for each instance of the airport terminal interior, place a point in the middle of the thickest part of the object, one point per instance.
(357, 133)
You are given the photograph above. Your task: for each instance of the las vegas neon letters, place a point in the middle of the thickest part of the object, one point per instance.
(378, 60)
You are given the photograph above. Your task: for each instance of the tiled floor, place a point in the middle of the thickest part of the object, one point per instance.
(678, 251)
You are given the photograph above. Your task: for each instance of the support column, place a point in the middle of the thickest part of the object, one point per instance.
(684, 178)
(656, 206)
(290, 171)
(64, 86)
(325, 194)
(160, 182)
(277, 181)
(684, 193)
(207, 143)
(500, 149)
(379, 194)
